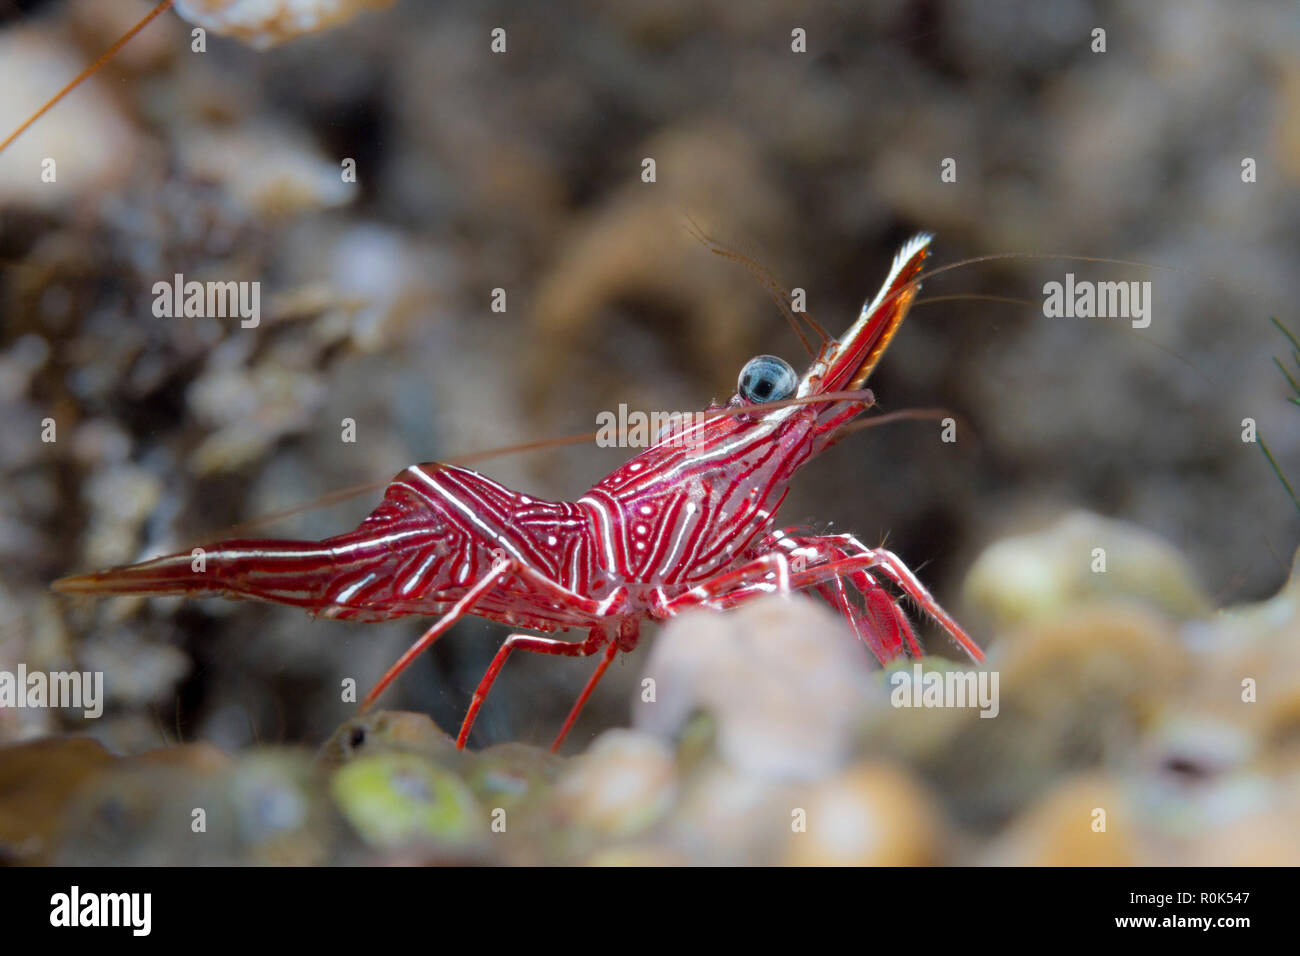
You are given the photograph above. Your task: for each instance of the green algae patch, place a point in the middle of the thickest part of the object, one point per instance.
(397, 799)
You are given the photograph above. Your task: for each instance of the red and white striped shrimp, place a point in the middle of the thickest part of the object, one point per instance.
(687, 523)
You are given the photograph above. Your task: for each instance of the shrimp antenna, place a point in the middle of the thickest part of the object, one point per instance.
(88, 71)
(341, 495)
(777, 292)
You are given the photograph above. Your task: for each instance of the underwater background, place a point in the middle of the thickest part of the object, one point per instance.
(1001, 128)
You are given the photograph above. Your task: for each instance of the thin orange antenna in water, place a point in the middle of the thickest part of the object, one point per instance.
(88, 71)
(341, 495)
(777, 292)
(355, 491)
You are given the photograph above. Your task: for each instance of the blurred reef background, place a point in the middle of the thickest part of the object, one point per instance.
(522, 171)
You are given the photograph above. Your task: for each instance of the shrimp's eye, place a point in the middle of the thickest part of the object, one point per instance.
(767, 378)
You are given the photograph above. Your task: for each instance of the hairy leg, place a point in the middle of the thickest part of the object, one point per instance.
(538, 645)
(458, 610)
(826, 561)
(581, 702)
(466, 604)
